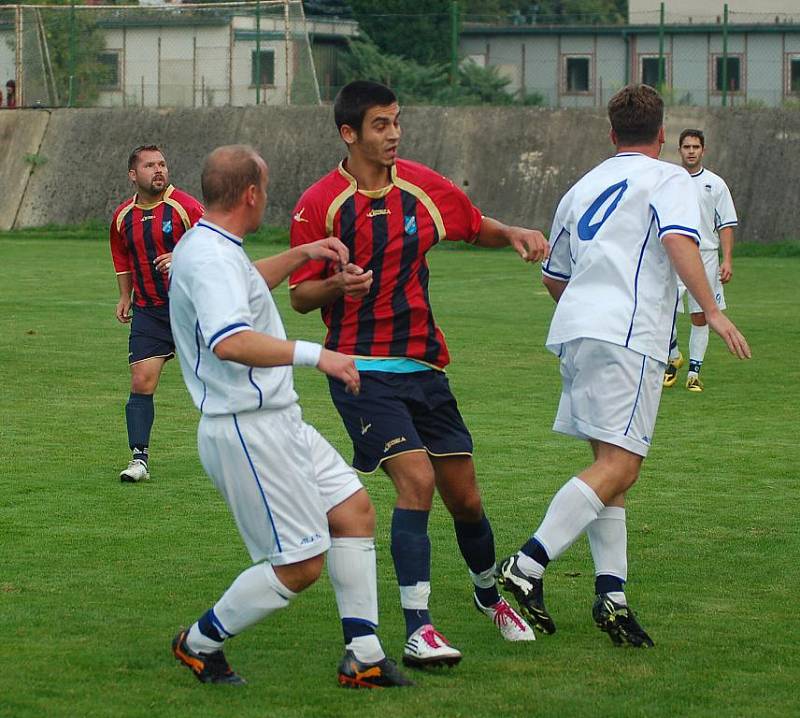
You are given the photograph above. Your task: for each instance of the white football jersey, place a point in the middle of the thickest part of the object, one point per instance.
(215, 292)
(605, 243)
(716, 207)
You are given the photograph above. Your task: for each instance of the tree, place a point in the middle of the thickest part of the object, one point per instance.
(407, 28)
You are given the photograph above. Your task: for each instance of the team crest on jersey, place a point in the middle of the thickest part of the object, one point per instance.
(708, 187)
(411, 225)
(166, 226)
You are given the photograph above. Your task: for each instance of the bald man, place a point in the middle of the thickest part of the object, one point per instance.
(292, 496)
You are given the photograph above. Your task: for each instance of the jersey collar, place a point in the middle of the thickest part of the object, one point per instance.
(219, 230)
(371, 193)
(167, 192)
(697, 174)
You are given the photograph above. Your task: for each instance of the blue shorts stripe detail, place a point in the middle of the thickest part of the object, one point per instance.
(258, 483)
(638, 391)
(214, 339)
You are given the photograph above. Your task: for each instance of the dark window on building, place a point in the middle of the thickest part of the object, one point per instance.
(265, 74)
(109, 69)
(577, 74)
(734, 78)
(794, 75)
(650, 71)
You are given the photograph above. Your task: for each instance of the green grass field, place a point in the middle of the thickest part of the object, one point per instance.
(96, 576)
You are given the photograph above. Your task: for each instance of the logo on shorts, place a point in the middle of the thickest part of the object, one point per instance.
(364, 427)
(646, 439)
(310, 539)
(393, 442)
(166, 226)
(411, 225)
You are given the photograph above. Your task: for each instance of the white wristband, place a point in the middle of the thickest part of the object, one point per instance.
(306, 353)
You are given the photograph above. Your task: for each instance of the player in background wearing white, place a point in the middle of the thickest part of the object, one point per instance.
(717, 220)
(292, 496)
(618, 236)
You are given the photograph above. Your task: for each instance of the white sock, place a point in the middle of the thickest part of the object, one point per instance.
(354, 576)
(254, 594)
(366, 649)
(698, 343)
(415, 597)
(608, 540)
(199, 642)
(572, 509)
(529, 566)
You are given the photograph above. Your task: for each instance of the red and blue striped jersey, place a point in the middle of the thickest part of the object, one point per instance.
(141, 232)
(388, 231)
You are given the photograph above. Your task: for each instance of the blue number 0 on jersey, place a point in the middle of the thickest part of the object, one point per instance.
(587, 230)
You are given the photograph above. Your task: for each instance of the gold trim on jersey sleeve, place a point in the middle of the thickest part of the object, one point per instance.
(125, 211)
(340, 199)
(178, 207)
(423, 197)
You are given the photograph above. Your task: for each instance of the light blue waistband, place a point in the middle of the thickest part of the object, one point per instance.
(397, 365)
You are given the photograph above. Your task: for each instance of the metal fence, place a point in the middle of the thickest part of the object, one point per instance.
(729, 59)
(158, 56)
(244, 53)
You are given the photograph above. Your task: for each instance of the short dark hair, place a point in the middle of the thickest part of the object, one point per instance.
(355, 98)
(689, 132)
(227, 173)
(636, 113)
(133, 158)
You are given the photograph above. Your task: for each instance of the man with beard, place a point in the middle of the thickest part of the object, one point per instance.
(144, 230)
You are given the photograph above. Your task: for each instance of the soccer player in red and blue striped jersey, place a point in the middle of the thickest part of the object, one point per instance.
(144, 230)
(389, 213)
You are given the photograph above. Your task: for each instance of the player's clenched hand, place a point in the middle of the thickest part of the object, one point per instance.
(329, 248)
(355, 282)
(530, 244)
(725, 272)
(123, 310)
(163, 262)
(723, 326)
(341, 367)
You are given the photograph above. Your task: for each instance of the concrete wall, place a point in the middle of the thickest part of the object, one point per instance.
(515, 163)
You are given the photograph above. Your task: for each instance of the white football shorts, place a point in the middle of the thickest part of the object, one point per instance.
(711, 263)
(609, 393)
(279, 477)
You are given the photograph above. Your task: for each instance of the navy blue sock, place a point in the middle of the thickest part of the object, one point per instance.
(206, 625)
(536, 551)
(476, 542)
(411, 553)
(605, 583)
(354, 627)
(695, 366)
(139, 415)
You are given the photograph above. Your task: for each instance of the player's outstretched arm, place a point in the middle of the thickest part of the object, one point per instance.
(530, 244)
(342, 367)
(275, 269)
(685, 257)
(262, 350)
(349, 281)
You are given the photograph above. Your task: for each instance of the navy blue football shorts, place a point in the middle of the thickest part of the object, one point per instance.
(397, 413)
(151, 335)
